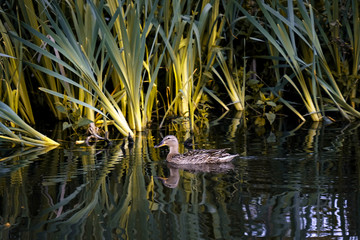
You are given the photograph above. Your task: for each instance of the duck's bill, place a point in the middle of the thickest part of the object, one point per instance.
(160, 144)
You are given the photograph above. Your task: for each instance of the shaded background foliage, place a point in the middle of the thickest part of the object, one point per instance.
(129, 63)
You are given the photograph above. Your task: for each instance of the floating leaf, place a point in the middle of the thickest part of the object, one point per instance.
(271, 117)
(278, 107)
(259, 102)
(271, 103)
(252, 82)
(66, 125)
(83, 122)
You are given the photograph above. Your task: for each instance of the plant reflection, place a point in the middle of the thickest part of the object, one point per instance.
(299, 185)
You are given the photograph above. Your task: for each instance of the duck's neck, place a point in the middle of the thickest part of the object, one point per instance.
(174, 150)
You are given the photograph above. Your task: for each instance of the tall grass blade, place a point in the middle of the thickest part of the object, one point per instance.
(35, 138)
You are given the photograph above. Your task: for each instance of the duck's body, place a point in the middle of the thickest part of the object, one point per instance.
(200, 156)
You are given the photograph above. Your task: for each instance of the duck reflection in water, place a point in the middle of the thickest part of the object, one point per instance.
(173, 180)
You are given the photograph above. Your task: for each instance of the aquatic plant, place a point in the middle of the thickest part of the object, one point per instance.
(339, 32)
(131, 58)
(13, 89)
(82, 61)
(185, 39)
(19, 131)
(234, 83)
(126, 60)
(312, 77)
(32, 13)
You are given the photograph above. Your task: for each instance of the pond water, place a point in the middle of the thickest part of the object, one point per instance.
(292, 182)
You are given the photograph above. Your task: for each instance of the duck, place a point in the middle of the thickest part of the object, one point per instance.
(197, 156)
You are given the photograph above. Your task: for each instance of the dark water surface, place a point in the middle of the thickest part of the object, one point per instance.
(294, 182)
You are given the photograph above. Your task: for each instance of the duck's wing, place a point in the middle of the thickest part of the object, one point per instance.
(205, 156)
(209, 152)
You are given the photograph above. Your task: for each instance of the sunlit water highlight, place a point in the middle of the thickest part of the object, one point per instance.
(298, 184)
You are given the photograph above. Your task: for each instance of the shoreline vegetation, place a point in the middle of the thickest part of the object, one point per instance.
(95, 63)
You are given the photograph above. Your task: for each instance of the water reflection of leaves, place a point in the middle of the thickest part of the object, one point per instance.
(121, 199)
(68, 208)
(21, 157)
(112, 194)
(13, 192)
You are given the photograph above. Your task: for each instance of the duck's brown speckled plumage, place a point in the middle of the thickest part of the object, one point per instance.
(199, 156)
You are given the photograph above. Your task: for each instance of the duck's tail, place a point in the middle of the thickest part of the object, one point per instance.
(227, 158)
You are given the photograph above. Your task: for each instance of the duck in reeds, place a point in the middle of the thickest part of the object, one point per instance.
(199, 156)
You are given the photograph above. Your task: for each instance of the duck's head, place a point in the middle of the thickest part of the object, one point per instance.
(169, 140)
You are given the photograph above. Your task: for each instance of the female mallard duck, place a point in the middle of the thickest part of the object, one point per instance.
(195, 156)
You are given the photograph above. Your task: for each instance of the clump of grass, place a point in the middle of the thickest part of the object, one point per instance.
(13, 89)
(20, 132)
(309, 79)
(83, 57)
